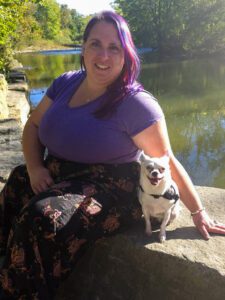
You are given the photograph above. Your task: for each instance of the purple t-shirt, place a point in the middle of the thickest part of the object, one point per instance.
(74, 133)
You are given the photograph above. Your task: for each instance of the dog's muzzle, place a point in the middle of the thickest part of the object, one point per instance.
(154, 179)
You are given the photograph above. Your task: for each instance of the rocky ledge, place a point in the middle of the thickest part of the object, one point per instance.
(14, 108)
(131, 266)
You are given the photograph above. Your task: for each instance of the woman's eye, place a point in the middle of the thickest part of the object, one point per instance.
(114, 49)
(94, 45)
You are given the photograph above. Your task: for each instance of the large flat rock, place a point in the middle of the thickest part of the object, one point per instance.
(132, 266)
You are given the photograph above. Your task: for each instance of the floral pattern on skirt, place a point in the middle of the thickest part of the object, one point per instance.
(44, 235)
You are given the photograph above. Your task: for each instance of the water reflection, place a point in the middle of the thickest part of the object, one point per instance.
(192, 95)
(46, 67)
(35, 95)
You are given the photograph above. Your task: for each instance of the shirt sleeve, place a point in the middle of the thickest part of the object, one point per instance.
(140, 111)
(60, 83)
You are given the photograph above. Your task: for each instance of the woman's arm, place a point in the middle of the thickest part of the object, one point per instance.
(33, 149)
(154, 141)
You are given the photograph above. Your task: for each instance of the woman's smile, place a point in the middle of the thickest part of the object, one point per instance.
(102, 67)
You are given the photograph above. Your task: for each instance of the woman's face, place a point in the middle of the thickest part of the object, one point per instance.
(103, 54)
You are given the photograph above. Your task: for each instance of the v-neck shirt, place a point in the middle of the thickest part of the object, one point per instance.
(74, 133)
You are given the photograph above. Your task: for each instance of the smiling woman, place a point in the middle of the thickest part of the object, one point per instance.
(94, 123)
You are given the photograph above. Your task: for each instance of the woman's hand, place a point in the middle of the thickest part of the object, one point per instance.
(205, 225)
(40, 179)
(33, 150)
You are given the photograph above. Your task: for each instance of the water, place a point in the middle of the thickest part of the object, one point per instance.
(191, 93)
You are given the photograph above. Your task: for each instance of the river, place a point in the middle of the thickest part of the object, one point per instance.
(191, 93)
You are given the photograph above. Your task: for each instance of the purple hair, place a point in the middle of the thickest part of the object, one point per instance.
(126, 82)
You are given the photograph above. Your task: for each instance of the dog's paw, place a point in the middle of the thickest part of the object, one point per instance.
(162, 237)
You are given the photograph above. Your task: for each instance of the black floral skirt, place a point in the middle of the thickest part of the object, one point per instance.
(44, 235)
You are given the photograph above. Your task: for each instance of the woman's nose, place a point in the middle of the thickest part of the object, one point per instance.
(103, 53)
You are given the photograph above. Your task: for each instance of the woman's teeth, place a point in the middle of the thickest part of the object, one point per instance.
(102, 67)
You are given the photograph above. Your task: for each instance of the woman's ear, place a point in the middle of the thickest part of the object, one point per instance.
(82, 50)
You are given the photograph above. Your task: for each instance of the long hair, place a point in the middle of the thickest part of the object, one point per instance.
(126, 82)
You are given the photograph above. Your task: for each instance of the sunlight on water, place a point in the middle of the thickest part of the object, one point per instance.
(35, 95)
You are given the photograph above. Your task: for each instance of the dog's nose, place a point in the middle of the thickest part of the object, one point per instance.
(154, 174)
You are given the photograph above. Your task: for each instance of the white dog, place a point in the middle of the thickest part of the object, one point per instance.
(158, 193)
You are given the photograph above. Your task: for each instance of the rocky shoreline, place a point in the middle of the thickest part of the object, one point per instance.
(14, 110)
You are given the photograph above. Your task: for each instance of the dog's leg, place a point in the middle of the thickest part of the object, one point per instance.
(175, 211)
(148, 227)
(162, 234)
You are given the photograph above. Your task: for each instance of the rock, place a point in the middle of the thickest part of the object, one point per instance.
(4, 111)
(11, 131)
(21, 87)
(19, 107)
(131, 266)
(10, 147)
(16, 76)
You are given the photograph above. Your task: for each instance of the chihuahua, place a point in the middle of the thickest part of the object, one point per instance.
(158, 193)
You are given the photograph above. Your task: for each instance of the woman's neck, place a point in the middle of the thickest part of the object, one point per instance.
(93, 90)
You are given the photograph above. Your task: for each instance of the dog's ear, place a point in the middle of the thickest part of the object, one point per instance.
(143, 157)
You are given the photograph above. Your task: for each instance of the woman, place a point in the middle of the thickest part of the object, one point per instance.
(94, 123)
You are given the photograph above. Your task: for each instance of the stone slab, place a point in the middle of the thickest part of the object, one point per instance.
(19, 107)
(11, 130)
(131, 266)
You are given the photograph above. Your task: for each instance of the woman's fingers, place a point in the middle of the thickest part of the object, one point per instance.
(217, 229)
(204, 232)
(219, 225)
(49, 181)
(205, 225)
(40, 179)
(45, 184)
(35, 190)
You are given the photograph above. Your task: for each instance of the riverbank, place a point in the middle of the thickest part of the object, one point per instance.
(46, 46)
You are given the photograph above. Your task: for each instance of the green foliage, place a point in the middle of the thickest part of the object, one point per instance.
(176, 26)
(66, 16)
(26, 23)
(48, 16)
(29, 30)
(11, 13)
(77, 26)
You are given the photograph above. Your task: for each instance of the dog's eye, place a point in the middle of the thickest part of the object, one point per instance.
(161, 170)
(149, 168)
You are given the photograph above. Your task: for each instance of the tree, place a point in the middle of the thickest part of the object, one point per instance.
(77, 26)
(48, 16)
(176, 26)
(11, 13)
(29, 30)
(65, 16)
